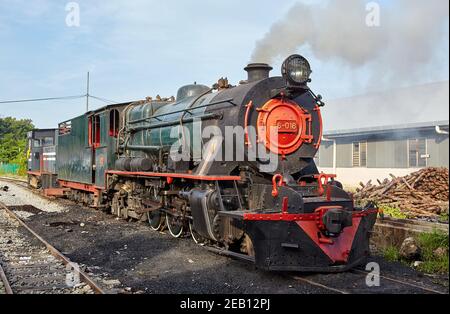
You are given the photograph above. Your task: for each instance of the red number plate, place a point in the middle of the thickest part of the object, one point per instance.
(287, 126)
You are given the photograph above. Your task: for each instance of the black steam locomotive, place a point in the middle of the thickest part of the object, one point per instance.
(230, 165)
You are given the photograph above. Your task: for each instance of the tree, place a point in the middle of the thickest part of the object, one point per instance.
(13, 140)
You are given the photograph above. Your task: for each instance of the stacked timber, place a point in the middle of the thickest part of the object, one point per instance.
(422, 194)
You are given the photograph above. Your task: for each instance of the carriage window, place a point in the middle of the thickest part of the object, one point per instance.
(65, 128)
(113, 123)
(37, 143)
(47, 141)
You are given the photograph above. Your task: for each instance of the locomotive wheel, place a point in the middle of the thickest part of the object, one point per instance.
(156, 220)
(198, 239)
(175, 225)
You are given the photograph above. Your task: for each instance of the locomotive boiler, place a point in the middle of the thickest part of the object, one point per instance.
(233, 166)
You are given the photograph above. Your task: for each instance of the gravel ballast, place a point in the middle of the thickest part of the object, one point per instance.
(16, 195)
(130, 257)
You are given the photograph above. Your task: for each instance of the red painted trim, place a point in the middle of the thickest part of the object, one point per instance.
(337, 249)
(319, 115)
(277, 180)
(80, 186)
(90, 131)
(264, 123)
(298, 217)
(322, 180)
(247, 113)
(55, 191)
(175, 175)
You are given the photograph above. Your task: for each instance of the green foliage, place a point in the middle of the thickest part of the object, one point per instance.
(429, 242)
(434, 240)
(393, 212)
(391, 253)
(13, 141)
(435, 266)
(443, 218)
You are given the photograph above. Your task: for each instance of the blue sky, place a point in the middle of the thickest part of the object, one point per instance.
(138, 48)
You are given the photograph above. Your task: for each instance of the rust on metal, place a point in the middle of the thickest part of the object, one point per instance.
(55, 191)
(5, 281)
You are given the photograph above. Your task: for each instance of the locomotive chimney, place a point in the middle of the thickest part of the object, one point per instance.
(257, 71)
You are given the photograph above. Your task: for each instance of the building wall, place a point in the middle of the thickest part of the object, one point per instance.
(325, 155)
(390, 151)
(343, 154)
(351, 177)
(438, 149)
(387, 154)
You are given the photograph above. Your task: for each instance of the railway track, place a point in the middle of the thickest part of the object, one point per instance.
(359, 285)
(36, 267)
(334, 283)
(21, 182)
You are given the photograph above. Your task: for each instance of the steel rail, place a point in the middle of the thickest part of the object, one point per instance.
(401, 282)
(313, 283)
(84, 277)
(5, 281)
(13, 179)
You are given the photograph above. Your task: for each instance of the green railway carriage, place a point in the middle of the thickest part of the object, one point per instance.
(88, 146)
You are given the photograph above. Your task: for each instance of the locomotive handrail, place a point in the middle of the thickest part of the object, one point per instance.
(209, 116)
(142, 147)
(247, 113)
(188, 110)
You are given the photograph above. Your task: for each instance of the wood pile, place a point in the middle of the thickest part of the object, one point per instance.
(422, 194)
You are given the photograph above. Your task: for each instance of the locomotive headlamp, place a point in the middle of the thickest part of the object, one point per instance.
(296, 70)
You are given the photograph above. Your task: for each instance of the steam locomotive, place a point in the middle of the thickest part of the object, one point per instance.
(233, 166)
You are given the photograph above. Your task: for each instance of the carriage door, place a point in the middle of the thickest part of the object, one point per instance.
(35, 154)
(94, 142)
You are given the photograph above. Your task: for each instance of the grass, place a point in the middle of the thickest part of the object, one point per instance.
(392, 254)
(428, 242)
(443, 218)
(19, 175)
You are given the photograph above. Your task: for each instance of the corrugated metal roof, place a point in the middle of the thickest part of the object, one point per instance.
(387, 128)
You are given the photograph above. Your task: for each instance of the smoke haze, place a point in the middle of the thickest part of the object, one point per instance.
(402, 47)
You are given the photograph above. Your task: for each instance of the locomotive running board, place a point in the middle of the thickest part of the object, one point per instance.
(172, 176)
